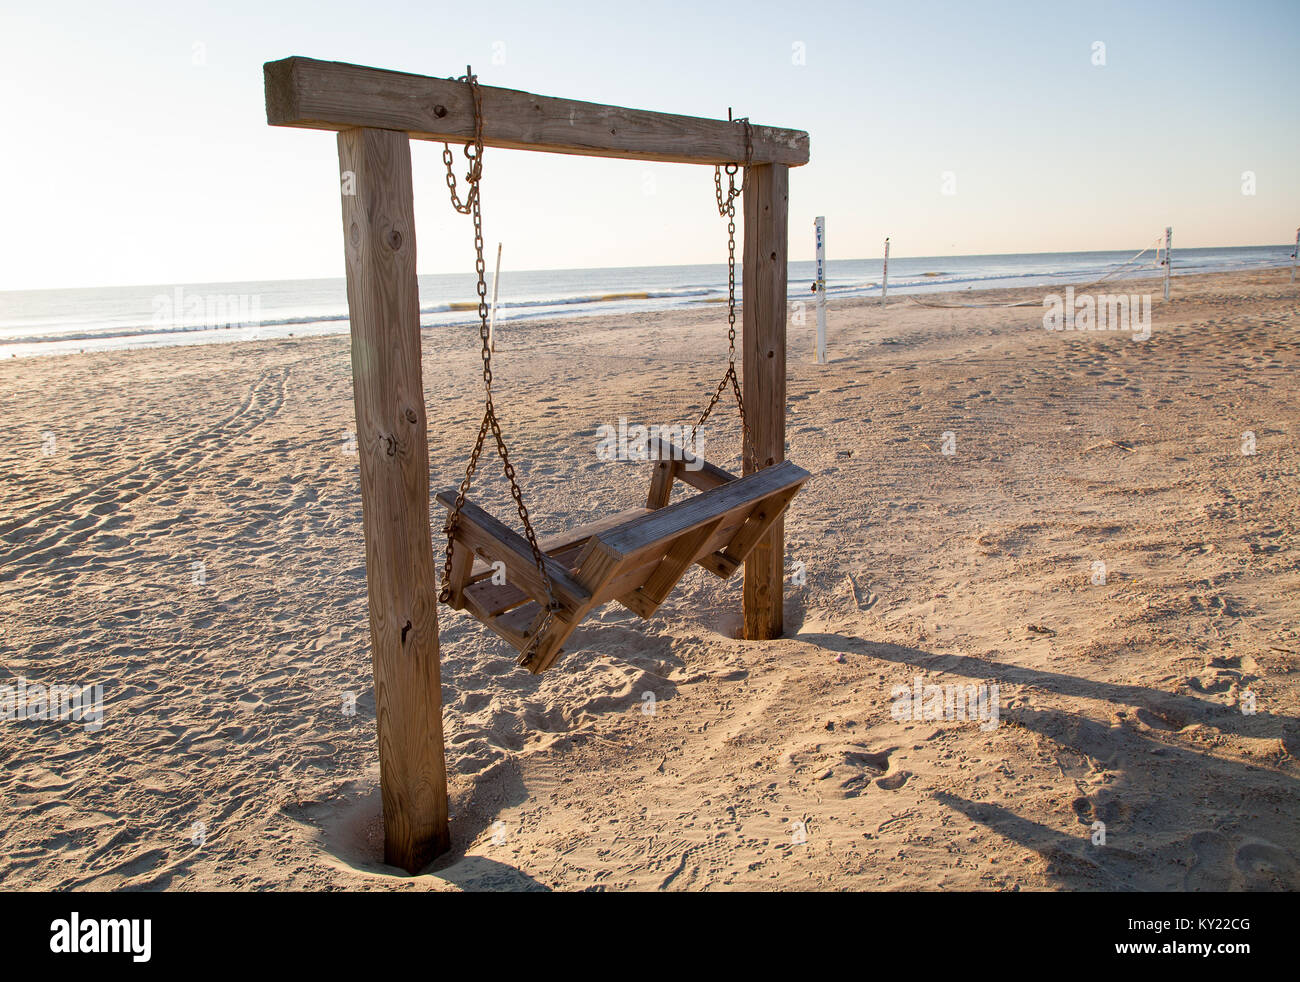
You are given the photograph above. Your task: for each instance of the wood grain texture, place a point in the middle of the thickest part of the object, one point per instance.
(740, 496)
(707, 477)
(462, 564)
(757, 526)
(661, 483)
(496, 541)
(680, 555)
(392, 442)
(687, 468)
(326, 95)
(764, 291)
(564, 548)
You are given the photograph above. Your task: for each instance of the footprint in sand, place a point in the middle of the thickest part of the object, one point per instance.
(893, 782)
(1266, 867)
(1243, 663)
(857, 768)
(1211, 684)
(1099, 807)
(1160, 720)
(1255, 864)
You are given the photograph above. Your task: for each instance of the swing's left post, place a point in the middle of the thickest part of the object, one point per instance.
(392, 443)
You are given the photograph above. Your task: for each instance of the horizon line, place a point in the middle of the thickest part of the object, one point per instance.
(579, 269)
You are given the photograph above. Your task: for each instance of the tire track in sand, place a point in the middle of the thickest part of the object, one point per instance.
(74, 518)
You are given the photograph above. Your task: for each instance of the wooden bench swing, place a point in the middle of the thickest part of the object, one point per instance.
(634, 557)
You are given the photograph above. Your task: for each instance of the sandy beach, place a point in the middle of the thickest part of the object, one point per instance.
(183, 526)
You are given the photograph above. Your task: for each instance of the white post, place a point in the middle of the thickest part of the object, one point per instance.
(820, 228)
(492, 318)
(1295, 254)
(1169, 258)
(884, 276)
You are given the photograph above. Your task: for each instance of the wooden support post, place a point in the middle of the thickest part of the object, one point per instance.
(392, 442)
(1169, 259)
(764, 299)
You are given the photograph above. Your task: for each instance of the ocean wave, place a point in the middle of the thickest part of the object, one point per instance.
(459, 306)
(151, 329)
(87, 320)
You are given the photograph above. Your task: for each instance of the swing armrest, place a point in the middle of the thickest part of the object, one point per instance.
(737, 497)
(495, 541)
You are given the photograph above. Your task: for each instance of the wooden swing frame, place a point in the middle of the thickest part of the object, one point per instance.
(376, 114)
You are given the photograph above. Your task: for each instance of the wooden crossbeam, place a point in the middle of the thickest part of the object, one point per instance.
(330, 95)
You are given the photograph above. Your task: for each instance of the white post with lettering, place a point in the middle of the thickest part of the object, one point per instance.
(1169, 258)
(819, 226)
(884, 276)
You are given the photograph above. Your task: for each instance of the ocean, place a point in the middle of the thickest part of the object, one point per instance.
(44, 322)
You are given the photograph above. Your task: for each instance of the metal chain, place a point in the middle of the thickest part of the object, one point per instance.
(471, 206)
(473, 150)
(727, 209)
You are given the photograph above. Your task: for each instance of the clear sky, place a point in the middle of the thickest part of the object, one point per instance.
(125, 161)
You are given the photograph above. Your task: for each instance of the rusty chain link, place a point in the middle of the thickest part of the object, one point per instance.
(471, 206)
(727, 209)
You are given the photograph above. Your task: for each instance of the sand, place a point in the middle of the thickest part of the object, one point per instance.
(227, 759)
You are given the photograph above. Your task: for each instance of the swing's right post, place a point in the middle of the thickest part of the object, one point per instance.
(763, 324)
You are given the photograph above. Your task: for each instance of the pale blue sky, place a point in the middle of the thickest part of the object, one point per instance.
(125, 162)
